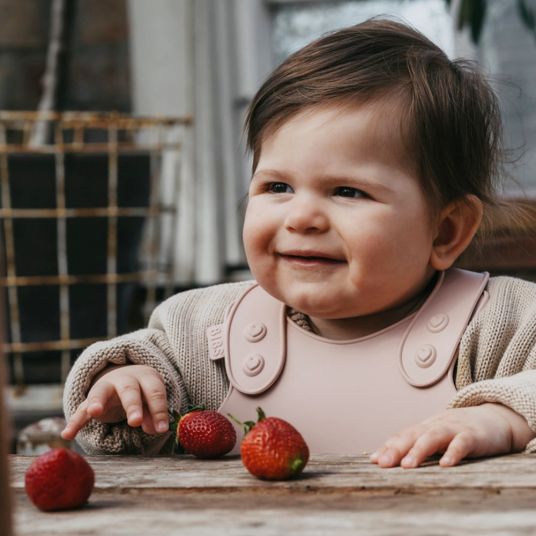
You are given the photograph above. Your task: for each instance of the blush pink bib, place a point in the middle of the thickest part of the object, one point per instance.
(349, 396)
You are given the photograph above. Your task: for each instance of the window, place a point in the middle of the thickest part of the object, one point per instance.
(296, 24)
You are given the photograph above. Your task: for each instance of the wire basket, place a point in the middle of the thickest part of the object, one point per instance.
(87, 220)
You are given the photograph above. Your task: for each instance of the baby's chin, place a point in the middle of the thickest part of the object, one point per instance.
(317, 309)
(310, 301)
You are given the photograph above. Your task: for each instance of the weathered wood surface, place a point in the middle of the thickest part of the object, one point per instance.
(336, 495)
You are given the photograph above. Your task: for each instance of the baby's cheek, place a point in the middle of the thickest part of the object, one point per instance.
(259, 261)
(258, 239)
(251, 241)
(255, 249)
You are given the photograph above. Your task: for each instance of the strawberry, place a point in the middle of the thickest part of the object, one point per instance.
(272, 449)
(205, 433)
(59, 479)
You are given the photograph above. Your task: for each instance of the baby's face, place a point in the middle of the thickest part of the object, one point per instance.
(337, 225)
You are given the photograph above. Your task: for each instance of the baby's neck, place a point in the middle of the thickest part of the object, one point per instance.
(361, 326)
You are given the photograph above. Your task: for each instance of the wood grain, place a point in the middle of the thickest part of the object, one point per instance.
(336, 495)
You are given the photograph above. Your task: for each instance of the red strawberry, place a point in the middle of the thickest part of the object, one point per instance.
(59, 479)
(272, 449)
(205, 433)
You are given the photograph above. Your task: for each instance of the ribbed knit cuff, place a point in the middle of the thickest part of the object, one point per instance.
(518, 392)
(143, 347)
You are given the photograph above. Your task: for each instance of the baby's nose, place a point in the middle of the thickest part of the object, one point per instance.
(306, 215)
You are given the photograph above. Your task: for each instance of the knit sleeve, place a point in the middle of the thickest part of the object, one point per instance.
(175, 345)
(497, 353)
(144, 347)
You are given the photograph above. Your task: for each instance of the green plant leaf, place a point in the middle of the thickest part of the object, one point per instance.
(464, 14)
(478, 15)
(472, 14)
(527, 15)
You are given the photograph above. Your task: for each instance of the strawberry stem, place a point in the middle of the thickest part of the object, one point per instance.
(174, 418)
(248, 425)
(195, 407)
(296, 465)
(260, 414)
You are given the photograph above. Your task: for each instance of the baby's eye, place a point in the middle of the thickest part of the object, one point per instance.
(279, 188)
(348, 191)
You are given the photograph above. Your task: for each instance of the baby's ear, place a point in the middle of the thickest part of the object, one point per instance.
(457, 225)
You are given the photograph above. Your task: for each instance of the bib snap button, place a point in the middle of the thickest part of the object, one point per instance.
(255, 331)
(253, 364)
(438, 322)
(425, 356)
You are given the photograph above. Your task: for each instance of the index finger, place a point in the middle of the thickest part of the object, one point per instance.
(91, 407)
(76, 422)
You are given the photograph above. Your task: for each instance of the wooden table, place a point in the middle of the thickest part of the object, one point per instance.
(335, 495)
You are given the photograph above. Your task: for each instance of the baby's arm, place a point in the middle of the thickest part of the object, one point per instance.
(457, 433)
(494, 410)
(135, 393)
(110, 375)
(106, 366)
(173, 349)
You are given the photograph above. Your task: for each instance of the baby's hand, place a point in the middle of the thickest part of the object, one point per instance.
(457, 434)
(133, 392)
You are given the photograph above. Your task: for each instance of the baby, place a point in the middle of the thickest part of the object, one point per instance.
(373, 159)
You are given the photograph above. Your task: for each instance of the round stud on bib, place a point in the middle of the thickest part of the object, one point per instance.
(425, 356)
(253, 364)
(438, 322)
(255, 331)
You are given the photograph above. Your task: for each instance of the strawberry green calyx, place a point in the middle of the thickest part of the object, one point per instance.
(194, 407)
(174, 418)
(297, 465)
(248, 425)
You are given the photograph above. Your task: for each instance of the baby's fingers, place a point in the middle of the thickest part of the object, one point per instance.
(129, 393)
(459, 448)
(77, 421)
(147, 425)
(395, 448)
(92, 407)
(98, 398)
(154, 395)
(429, 443)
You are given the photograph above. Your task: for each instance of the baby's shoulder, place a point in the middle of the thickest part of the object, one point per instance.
(507, 288)
(510, 297)
(207, 303)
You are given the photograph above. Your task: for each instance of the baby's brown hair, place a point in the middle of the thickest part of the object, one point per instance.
(449, 115)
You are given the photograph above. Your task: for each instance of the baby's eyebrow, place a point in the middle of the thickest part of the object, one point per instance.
(271, 172)
(356, 181)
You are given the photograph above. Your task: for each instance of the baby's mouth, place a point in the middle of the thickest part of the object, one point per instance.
(300, 258)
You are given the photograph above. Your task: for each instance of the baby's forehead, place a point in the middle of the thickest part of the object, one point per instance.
(384, 119)
(387, 114)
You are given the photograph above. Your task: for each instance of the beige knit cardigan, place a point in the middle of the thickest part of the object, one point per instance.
(496, 360)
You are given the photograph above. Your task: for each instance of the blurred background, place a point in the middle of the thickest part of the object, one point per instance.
(123, 170)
